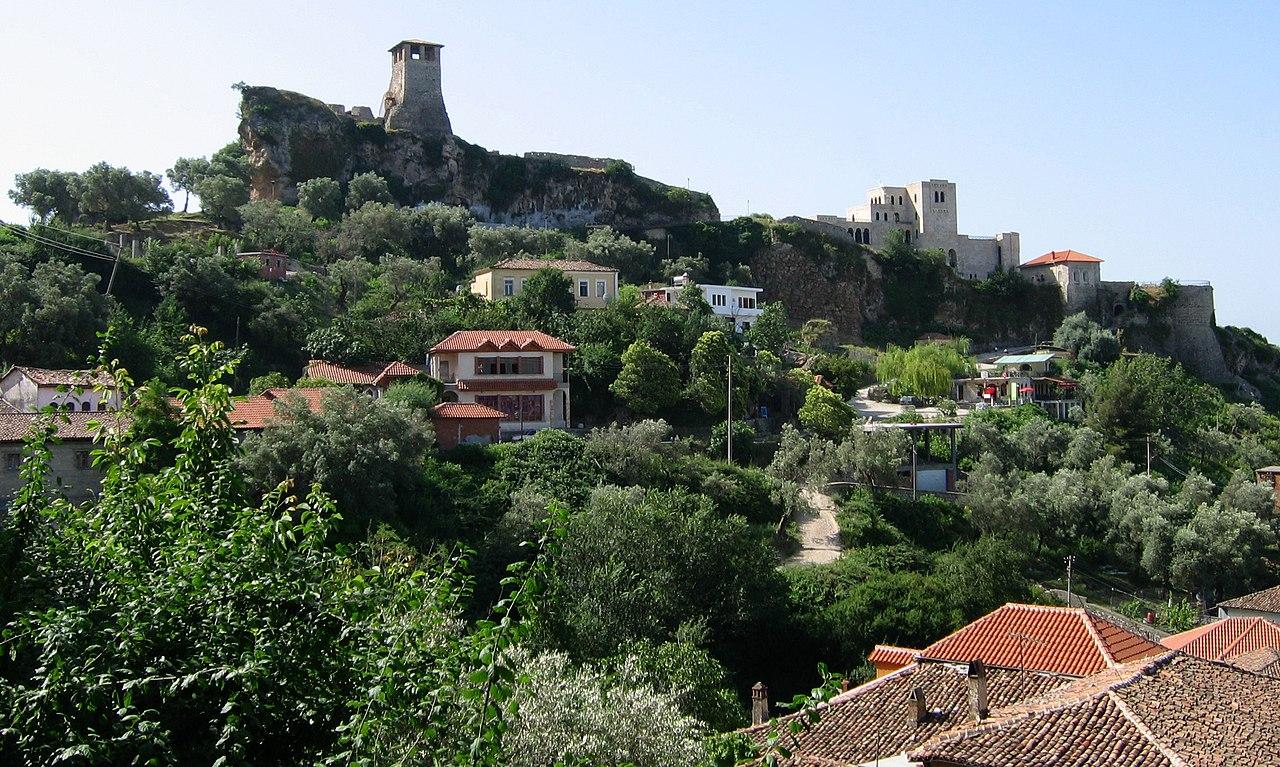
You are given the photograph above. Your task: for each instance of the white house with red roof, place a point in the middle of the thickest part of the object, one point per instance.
(520, 373)
(1077, 275)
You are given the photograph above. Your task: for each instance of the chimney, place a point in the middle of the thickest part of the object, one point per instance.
(759, 704)
(916, 705)
(978, 690)
(845, 685)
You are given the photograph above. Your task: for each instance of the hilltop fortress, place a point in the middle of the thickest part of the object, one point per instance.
(290, 138)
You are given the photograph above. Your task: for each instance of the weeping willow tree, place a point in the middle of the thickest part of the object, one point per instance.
(924, 370)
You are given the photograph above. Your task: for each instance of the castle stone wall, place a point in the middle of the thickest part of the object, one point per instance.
(414, 99)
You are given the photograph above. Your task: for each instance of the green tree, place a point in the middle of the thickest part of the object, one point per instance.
(825, 413)
(48, 193)
(546, 299)
(52, 312)
(365, 188)
(322, 198)
(1087, 340)
(356, 448)
(221, 196)
(770, 330)
(635, 261)
(269, 225)
(1220, 551)
(926, 370)
(709, 373)
(273, 380)
(185, 174)
(817, 333)
(1147, 394)
(414, 395)
(649, 382)
(111, 195)
(490, 244)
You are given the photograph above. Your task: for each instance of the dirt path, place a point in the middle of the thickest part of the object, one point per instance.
(819, 533)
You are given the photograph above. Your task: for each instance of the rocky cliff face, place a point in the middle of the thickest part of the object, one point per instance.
(873, 302)
(290, 138)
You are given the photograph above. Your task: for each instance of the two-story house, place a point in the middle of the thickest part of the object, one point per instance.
(520, 373)
(593, 285)
(71, 469)
(740, 304)
(29, 389)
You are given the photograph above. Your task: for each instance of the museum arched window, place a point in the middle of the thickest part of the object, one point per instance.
(951, 258)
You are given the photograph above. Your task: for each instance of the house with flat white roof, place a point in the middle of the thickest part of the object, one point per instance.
(740, 304)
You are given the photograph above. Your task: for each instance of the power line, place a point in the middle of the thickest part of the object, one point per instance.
(55, 244)
(68, 231)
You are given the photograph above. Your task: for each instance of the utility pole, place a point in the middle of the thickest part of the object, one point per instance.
(728, 421)
(115, 265)
(1070, 560)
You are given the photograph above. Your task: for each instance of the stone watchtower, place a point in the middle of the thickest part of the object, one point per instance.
(414, 101)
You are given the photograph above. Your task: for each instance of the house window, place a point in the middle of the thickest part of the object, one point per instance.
(506, 366)
(895, 218)
(515, 407)
(717, 299)
(84, 407)
(12, 461)
(942, 196)
(508, 286)
(599, 288)
(584, 289)
(747, 302)
(102, 405)
(83, 460)
(523, 280)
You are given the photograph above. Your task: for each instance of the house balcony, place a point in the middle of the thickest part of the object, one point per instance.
(503, 384)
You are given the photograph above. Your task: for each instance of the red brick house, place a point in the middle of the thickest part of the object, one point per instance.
(465, 423)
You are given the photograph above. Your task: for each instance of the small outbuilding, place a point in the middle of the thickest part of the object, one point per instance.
(465, 423)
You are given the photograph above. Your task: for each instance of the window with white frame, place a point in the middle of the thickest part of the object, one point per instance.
(718, 299)
(600, 289)
(747, 302)
(508, 286)
(584, 289)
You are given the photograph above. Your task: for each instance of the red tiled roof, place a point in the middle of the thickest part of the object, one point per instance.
(501, 383)
(71, 426)
(1062, 257)
(893, 656)
(447, 410)
(1265, 660)
(253, 413)
(76, 378)
(501, 340)
(563, 265)
(1225, 638)
(366, 374)
(873, 721)
(1174, 710)
(1060, 640)
(1267, 601)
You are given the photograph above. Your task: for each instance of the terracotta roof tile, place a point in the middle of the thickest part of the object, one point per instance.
(254, 413)
(1174, 709)
(1267, 600)
(1226, 638)
(893, 656)
(873, 721)
(550, 263)
(1062, 257)
(365, 374)
(501, 340)
(14, 427)
(1264, 660)
(1060, 640)
(465, 410)
(76, 378)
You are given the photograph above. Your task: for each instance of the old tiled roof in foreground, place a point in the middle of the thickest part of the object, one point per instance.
(253, 413)
(1174, 710)
(465, 410)
(1058, 640)
(874, 720)
(1267, 600)
(1265, 660)
(14, 427)
(1226, 638)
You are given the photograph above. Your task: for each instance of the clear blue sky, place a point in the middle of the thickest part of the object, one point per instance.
(1147, 134)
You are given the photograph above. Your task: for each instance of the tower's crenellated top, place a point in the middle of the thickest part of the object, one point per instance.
(414, 100)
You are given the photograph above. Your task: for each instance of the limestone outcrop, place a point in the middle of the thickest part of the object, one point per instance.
(290, 138)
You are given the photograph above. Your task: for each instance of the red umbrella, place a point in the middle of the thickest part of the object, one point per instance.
(1027, 389)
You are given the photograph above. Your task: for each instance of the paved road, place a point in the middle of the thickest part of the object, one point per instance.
(819, 533)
